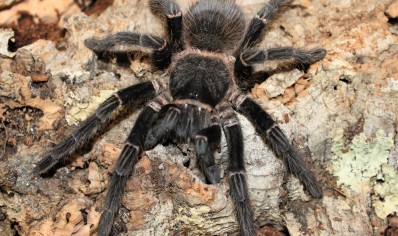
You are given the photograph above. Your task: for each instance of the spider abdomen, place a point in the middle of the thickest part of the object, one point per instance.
(201, 78)
(214, 25)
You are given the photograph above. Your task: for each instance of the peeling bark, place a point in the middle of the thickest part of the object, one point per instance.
(354, 89)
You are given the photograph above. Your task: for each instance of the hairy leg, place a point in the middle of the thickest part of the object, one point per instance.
(171, 12)
(124, 166)
(133, 95)
(258, 25)
(126, 42)
(299, 59)
(237, 173)
(254, 35)
(271, 132)
(300, 56)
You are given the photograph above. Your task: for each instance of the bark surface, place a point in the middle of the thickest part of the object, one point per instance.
(342, 116)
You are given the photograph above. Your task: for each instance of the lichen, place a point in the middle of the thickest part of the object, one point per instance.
(362, 166)
(81, 110)
(385, 200)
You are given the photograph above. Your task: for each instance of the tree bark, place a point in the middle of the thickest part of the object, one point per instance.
(341, 115)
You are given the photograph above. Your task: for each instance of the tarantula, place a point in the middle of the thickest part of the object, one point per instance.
(208, 58)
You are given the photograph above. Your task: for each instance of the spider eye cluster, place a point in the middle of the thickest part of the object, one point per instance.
(214, 25)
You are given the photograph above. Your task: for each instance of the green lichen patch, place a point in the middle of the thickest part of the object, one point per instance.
(362, 166)
(385, 200)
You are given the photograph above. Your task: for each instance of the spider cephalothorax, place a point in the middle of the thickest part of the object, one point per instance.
(208, 57)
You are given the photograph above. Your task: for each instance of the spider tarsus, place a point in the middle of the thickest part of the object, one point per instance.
(105, 223)
(312, 185)
(303, 56)
(299, 169)
(45, 165)
(92, 43)
(293, 161)
(60, 153)
(164, 7)
(317, 54)
(239, 193)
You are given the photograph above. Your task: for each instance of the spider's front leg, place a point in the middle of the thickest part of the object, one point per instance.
(253, 36)
(251, 57)
(258, 25)
(271, 132)
(124, 166)
(133, 95)
(248, 58)
(237, 173)
(246, 55)
(127, 42)
(169, 10)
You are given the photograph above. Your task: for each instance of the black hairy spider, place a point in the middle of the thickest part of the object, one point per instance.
(208, 57)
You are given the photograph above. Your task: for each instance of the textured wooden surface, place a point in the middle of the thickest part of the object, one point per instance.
(45, 89)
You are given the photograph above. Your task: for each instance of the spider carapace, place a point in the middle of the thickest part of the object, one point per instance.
(208, 58)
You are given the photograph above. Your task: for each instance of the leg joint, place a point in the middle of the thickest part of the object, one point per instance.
(201, 137)
(232, 173)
